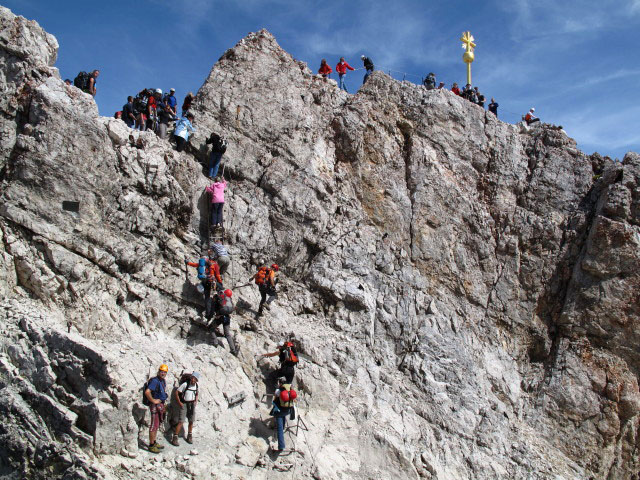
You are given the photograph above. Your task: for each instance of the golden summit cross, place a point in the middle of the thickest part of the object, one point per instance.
(468, 56)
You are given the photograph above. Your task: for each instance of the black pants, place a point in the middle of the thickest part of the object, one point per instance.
(264, 291)
(287, 371)
(180, 142)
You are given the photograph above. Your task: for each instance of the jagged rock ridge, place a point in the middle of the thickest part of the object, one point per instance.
(465, 296)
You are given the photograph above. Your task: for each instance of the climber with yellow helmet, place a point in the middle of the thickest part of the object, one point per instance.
(155, 394)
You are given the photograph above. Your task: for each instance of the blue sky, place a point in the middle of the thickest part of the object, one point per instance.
(576, 62)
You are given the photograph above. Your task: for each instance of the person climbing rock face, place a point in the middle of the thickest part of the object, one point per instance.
(266, 279)
(288, 357)
(216, 193)
(208, 272)
(223, 308)
(283, 401)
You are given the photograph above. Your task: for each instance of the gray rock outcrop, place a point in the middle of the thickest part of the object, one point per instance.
(464, 295)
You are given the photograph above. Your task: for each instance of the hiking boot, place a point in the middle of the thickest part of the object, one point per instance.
(190, 438)
(174, 440)
(159, 445)
(154, 448)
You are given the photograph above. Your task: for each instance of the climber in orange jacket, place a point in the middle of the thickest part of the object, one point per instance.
(266, 279)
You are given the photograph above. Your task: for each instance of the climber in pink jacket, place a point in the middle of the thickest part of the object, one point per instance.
(216, 190)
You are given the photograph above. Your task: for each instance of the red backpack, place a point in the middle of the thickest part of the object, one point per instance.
(287, 395)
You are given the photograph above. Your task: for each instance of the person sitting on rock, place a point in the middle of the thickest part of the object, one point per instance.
(283, 401)
(479, 96)
(288, 360)
(493, 107)
(219, 253)
(208, 272)
(218, 147)
(368, 65)
(186, 398)
(342, 68)
(324, 70)
(223, 307)
(530, 117)
(181, 133)
(216, 191)
(430, 81)
(455, 89)
(266, 279)
(156, 393)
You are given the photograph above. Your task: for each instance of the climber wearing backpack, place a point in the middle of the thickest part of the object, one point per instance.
(218, 147)
(155, 394)
(283, 401)
(87, 82)
(430, 81)
(185, 397)
(223, 308)
(219, 253)
(288, 360)
(266, 279)
(140, 106)
(208, 272)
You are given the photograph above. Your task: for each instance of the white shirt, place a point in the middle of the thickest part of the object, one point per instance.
(190, 393)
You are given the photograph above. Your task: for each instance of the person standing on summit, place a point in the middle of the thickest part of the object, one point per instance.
(91, 86)
(341, 68)
(368, 65)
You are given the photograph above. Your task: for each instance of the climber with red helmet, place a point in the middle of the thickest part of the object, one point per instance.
(223, 308)
(266, 279)
(288, 357)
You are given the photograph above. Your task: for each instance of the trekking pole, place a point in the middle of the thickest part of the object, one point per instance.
(186, 269)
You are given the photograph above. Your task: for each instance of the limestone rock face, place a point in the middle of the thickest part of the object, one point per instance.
(464, 295)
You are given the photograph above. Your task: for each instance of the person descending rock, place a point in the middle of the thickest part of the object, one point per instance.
(430, 81)
(530, 117)
(223, 308)
(283, 401)
(266, 280)
(288, 360)
(186, 105)
(368, 65)
(186, 398)
(220, 254)
(156, 395)
(218, 147)
(208, 272)
(181, 133)
(493, 107)
(342, 68)
(324, 70)
(216, 191)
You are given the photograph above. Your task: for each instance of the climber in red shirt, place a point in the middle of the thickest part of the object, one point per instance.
(341, 68)
(455, 89)
(324, 69)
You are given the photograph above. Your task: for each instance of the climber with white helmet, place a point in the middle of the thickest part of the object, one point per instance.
(530, 117)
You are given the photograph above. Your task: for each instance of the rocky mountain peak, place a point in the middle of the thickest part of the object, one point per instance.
(463, 292)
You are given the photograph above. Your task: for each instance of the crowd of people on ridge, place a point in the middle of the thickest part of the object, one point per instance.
(151, 110)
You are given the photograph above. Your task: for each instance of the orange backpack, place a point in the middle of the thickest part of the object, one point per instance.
(261, 276)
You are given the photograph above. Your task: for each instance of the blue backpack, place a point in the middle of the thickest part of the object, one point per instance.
(202, 269)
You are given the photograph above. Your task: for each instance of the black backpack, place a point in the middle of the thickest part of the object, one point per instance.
(82, 81)
(145, 400)
(141, 101)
